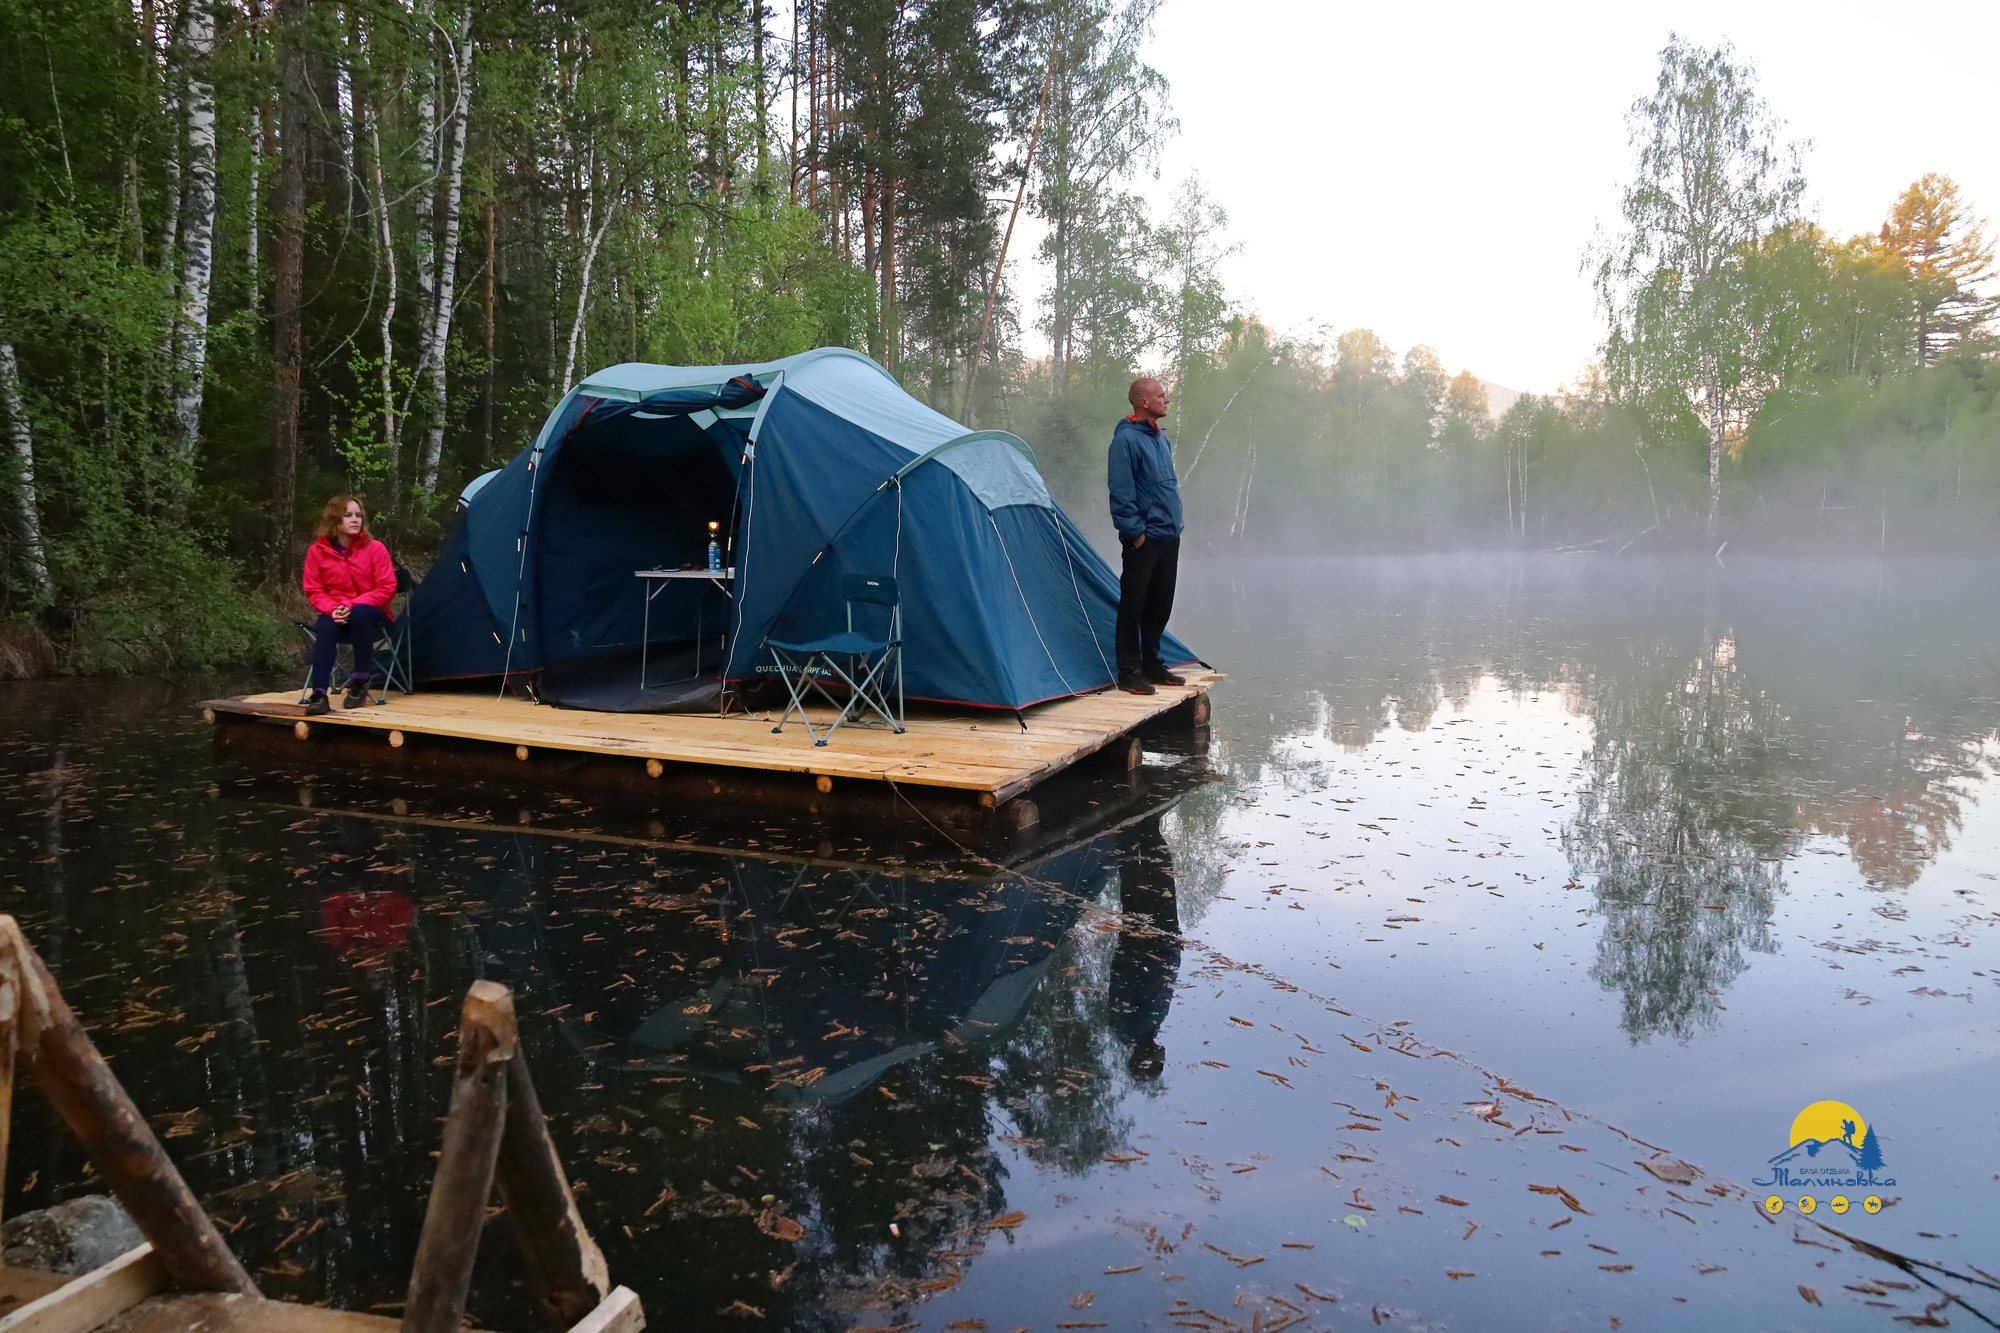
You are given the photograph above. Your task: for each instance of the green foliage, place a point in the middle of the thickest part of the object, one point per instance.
(635, 185)
(178, 608)
(1103, 120)
(1927, 439)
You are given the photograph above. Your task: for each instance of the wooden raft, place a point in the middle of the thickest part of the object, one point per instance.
(982, 752)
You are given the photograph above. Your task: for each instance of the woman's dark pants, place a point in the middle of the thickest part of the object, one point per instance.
(363, 627)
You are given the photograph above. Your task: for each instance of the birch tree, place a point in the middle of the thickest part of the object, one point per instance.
(438, 337)
(1188, 250)
(190, 341)
(1711, 181)
(386, 245)
(27, 510)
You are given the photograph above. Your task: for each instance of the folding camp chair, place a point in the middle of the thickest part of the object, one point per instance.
(393, 662)
(859, 660)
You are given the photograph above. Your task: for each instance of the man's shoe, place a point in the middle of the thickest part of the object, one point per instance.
(1133, 683)
(317, 706)
(357, 693)
(1162, 676)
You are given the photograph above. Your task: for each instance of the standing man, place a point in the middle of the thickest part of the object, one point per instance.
(1146, 507)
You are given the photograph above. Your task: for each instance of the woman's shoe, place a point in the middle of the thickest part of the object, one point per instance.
(317, 706)
(357, 692)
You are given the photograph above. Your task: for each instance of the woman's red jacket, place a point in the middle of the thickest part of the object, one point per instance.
(360, 574)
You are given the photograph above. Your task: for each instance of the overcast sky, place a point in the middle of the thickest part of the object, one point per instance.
(1434, 171)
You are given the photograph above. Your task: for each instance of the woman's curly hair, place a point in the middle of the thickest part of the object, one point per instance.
(336, 510)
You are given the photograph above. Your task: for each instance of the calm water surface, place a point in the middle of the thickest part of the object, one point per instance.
(1468, 977)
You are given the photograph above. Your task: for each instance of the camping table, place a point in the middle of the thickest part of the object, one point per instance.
(655, 580)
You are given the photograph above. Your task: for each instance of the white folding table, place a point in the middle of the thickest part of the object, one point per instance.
(655, 581)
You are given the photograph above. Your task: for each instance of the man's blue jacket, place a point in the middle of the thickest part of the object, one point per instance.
(1145, 495)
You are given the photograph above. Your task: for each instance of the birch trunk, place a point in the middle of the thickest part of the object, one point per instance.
(259, 132)
(389, 432)
(24, 493)
(197, 268)
(427, 159)
(447, 264)
(583, 294)
(170, 227)
(1717, 422)
(250, 214)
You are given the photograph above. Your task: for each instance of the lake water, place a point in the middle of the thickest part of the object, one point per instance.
(1470, 976)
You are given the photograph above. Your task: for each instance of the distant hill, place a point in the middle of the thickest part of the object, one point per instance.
(1498, 398)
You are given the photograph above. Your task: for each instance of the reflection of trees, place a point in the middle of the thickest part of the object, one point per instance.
(1092, 1031)
(1060, 1072)
(1683, 821)
(1894, 837)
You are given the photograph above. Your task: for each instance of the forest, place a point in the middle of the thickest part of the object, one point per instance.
(254, 252)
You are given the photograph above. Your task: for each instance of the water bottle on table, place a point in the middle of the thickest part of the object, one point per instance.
(714, 548)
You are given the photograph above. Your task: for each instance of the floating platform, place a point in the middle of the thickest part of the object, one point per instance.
(985, 754)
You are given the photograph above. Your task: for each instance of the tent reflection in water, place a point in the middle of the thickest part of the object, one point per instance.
(817, 467)
(818, 980)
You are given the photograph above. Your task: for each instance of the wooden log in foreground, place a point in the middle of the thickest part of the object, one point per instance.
(90, 1100)
(487, 1042)
(567, 1275)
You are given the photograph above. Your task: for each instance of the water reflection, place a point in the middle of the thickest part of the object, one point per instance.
(1681, 825)
(1147, 961)
(1735, 714)
(786, 1077)
(803, 979)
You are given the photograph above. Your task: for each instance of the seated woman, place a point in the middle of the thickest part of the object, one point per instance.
(350, 580)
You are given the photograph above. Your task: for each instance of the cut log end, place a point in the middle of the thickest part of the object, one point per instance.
(1199, 715)
(489, 1008)
(654, 768)
(301, 730)
(208, 716)
(823, 783)
(521, 752)
(395, 740)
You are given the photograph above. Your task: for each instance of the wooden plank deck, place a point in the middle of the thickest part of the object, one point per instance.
(982, 752)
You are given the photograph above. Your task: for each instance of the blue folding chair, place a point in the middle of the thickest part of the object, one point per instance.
(861, 661)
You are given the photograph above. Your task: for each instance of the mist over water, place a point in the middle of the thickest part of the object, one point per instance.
(1467, 978)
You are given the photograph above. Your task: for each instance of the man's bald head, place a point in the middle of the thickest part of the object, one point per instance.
(1148, 398)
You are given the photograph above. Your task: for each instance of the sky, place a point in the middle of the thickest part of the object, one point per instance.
(1434, 172)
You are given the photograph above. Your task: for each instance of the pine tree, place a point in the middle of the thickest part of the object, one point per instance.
(1871, 1152)
(1932, 235)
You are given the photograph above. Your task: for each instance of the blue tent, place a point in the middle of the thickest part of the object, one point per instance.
(815, 467)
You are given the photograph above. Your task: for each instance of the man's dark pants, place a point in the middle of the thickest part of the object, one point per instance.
(363, 627)
(1145, 600)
